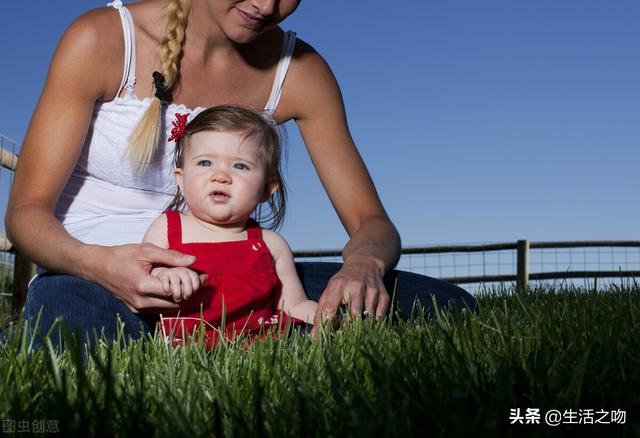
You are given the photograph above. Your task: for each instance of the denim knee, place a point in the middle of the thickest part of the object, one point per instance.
(82, 306)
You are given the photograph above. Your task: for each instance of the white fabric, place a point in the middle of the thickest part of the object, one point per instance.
(105, 202)
(129, 77)
(281, 72)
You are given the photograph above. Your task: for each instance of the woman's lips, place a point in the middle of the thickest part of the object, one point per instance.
(249, 19)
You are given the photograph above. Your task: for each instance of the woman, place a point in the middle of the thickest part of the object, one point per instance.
(92, 176)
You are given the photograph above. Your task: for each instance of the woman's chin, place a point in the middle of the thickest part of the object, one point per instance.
(245, 35)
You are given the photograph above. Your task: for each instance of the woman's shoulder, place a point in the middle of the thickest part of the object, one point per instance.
(309, 83)
(95, 29)
(95, 36)
(306, 57)
(90, 49)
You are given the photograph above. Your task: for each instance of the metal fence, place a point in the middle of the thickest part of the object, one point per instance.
(8, 161)
(479, 266)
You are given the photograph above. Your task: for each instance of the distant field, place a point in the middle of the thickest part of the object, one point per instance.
(574, 351)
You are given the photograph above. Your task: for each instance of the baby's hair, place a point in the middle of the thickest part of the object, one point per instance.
(144, 139)
(252, 125)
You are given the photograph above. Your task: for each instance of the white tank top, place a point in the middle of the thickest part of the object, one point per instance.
(105, 202)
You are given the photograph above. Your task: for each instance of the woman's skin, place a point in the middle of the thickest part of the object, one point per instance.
(224, 51)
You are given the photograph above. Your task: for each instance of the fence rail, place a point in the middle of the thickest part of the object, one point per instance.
(522, 274)
(23, 268)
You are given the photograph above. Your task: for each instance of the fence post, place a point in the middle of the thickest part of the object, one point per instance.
(523, 265)
(23, 270)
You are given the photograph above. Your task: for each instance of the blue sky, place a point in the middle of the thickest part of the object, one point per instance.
(480, 121)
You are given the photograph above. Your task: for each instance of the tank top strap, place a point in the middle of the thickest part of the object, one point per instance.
(254, 231)
(288, 44)
(174, 228)
(128, 82)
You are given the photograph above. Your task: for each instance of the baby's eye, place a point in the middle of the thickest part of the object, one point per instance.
(205, 163)
(240, 166)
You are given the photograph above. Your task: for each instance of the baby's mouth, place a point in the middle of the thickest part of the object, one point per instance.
(219, 195)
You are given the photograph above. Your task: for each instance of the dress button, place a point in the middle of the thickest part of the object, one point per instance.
(256, 246)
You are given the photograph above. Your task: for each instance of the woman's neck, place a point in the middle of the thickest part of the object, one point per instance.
(206, 40)
(204, 36)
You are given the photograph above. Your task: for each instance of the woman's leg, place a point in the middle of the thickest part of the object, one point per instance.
(85, 307)
(405, 287)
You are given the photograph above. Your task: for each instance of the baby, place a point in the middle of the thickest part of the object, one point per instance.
(244, 279)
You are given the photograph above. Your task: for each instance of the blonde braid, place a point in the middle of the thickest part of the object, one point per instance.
(144, 139)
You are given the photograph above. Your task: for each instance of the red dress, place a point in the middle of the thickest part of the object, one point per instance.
(242, 290)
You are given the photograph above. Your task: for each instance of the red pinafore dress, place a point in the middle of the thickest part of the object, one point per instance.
(242, 290)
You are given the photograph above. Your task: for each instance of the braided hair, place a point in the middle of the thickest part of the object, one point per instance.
(144, 139)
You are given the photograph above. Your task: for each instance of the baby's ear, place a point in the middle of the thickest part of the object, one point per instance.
(269, 189)
(177, 174)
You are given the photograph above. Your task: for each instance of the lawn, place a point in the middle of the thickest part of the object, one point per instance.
(457, 374)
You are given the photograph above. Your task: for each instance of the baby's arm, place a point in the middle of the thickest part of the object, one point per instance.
(293, 300)
(157, 232)
(176, 281)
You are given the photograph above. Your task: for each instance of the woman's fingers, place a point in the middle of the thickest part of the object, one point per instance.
(152, 303)
(168, 257)
(360, 288)
(373, 295)
(362, 295)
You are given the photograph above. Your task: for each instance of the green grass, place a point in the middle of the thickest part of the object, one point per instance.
(455, 375)
(5, 308)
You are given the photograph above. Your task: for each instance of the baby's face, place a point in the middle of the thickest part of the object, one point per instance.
(223, 177)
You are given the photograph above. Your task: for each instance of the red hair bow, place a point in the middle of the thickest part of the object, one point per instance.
(179, 125)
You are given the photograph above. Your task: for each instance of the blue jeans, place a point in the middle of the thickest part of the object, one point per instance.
(87, 307)
(406, 288)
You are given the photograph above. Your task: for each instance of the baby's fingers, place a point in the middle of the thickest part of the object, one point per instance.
(185, 282)
(164, 275)
(176, 287)
(165, 280)
(191, 283)
(196, 282)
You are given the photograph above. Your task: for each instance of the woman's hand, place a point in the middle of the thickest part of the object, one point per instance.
(126, 271)
(359, 285)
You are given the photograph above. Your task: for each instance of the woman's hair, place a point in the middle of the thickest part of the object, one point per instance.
(144, 139)
(253, 126)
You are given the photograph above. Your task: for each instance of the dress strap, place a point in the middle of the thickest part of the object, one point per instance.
(174, 228)
(129, 74)
(288, 44)
(254, 231)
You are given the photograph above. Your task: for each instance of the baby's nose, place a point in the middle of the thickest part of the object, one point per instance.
(220, 176)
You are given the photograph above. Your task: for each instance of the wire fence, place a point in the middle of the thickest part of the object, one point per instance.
(479, 266)
(8, 158)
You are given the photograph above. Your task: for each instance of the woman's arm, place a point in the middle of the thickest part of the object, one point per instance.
(293, 300)
(314, 97)
(86, 67)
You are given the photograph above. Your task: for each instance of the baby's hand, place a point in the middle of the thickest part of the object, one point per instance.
(179, 282)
